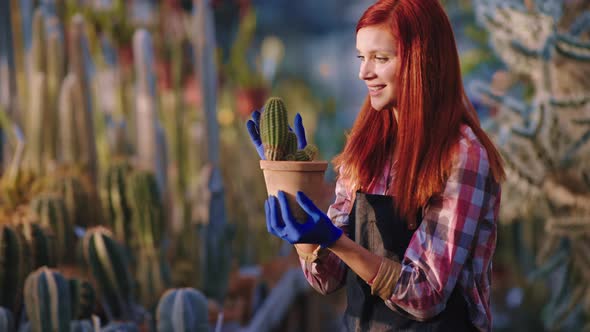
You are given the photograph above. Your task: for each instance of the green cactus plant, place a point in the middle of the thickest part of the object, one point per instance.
(274, 129)
(77, 200)
(153, 276)
(117, 208)
(41, 246)
(182, 310)
(279, 142)
(53, 213)
(109, 268)
(147, 210)
(6, 320)
(12, 267)
(83, 298)
(78, 66)
(47, 301)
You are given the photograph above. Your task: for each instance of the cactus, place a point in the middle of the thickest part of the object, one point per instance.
(47, 301)
(71, 101)
(153, 276)
(81, 326)
(53, 213)
(117, 206)
(12, 267)
(79, 64)
(6, 320)
(83, 298)
(309, 153)
(146, 210)
(151, 144)
(274, 129)
(41, 246)
(109, 268)
(291, 146)
(182, 310)
(77, 201)
(120, 327)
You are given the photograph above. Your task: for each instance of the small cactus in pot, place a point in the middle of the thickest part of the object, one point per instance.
(288, 167)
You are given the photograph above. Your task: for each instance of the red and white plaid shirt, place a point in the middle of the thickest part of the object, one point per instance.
(453, 246)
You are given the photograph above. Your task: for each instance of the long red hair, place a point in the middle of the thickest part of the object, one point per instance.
(431, 104)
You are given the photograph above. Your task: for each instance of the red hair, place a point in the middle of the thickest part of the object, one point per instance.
(431, 103)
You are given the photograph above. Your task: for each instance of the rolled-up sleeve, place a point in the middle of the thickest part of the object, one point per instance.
(327, 274)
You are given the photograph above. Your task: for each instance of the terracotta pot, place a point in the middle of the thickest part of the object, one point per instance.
(293, 176)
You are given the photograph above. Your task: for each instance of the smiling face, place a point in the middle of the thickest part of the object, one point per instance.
(379, 65)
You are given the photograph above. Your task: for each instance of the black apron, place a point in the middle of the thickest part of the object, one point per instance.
(375, 225)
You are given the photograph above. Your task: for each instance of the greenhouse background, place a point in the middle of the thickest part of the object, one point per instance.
(131, 197)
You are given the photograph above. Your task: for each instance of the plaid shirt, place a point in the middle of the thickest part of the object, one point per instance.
(453, 246)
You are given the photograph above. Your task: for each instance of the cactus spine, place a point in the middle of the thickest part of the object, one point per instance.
(47, 301)
(53, 213)
(274, 129)
(109, 268)
(182, 310)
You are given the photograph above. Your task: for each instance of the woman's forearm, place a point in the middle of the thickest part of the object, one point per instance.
(363, 262)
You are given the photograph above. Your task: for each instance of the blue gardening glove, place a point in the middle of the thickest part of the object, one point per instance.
(253, 126)
(317, 229)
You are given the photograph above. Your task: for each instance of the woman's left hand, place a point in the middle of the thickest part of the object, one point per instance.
(317, 229)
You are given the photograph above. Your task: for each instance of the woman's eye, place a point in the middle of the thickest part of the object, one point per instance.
(360, 57)
(381, 59)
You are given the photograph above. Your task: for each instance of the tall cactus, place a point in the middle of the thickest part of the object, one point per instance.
(151, 144)
(109, 268)
(47, 301)
(79, 62)
(71, 102)
(53, 213)
(12, 267)
(118, 209)
(274, 129)
(182, 310)
(153, 276)
(146, 209)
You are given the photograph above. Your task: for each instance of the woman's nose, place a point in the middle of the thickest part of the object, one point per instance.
(366, 70)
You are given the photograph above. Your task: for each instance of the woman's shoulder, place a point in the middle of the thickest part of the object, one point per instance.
(471, 153)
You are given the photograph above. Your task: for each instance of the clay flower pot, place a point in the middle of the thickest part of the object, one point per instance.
(293, 176)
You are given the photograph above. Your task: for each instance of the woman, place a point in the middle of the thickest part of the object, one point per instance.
(412, 231)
